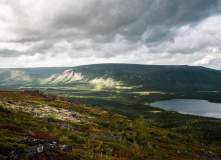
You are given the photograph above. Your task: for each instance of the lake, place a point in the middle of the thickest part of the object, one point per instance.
(191, 106)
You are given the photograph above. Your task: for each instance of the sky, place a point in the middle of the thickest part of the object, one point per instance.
(39, 33)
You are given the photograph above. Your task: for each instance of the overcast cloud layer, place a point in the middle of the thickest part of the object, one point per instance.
(39, 33)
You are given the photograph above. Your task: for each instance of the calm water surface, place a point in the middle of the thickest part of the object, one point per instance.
(191, 106)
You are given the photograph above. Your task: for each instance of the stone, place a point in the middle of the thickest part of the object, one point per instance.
(40, 149)
(24, 153)
(48, 146)
(34, 152)
(117, 137)
(65, 148)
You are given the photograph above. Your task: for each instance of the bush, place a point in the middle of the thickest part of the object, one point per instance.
(10, 127)
(51, 118)
(2, 109)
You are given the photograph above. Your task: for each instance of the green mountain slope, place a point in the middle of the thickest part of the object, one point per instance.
(11, 78)
(156, 77)
(141, 77)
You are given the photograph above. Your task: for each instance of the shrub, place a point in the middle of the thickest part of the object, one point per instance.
(10, 127)
(51, 118)
(2, 109)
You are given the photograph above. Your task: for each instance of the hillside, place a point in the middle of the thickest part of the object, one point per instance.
(34, 125)
(153, 77)
(140, 77)
(14, 77)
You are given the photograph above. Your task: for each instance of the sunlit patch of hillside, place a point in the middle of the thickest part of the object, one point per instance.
(100, 83)
(148, 92)
(17, 76)
(154, 111)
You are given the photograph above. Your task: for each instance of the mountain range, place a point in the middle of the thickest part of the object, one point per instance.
(94, 112)
(140, 77)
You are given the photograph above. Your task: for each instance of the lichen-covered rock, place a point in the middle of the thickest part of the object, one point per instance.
(63, 125)
(117, 137)
(33, 141)
(65, 148)
(27, 153)
(40, 149)
(24, 153)
(34, 152)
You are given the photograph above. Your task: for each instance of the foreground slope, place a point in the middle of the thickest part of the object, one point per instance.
(34, 125)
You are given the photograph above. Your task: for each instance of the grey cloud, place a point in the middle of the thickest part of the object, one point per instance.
(41, 46)
(157, 35)
(105, 17)
(2, 18)
(151, 22)
(9, 53)
(133, 18)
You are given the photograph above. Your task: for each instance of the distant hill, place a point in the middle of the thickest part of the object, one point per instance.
(145, 77)
(13, 77)
(154, 77)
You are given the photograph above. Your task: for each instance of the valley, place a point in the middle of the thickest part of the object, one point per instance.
(113, 85)
(127, 91)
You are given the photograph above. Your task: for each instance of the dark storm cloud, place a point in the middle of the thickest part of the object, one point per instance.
(151, 22)
(131, 17)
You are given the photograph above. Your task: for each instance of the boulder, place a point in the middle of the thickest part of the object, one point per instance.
(40, 147)
(65, 148)
(24, 153)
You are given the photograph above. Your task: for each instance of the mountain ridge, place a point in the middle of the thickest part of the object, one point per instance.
(150, 77)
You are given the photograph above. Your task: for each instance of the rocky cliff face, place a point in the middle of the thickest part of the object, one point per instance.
(66, 76)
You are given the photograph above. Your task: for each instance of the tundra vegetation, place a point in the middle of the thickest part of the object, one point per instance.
(83, 131)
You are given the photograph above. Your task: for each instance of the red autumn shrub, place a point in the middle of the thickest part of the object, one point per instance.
(42, 157)
(11, 127)
(39, 135)
(43, 135)
(24, 134)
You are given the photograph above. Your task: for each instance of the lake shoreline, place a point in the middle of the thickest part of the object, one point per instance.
(195, 107)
